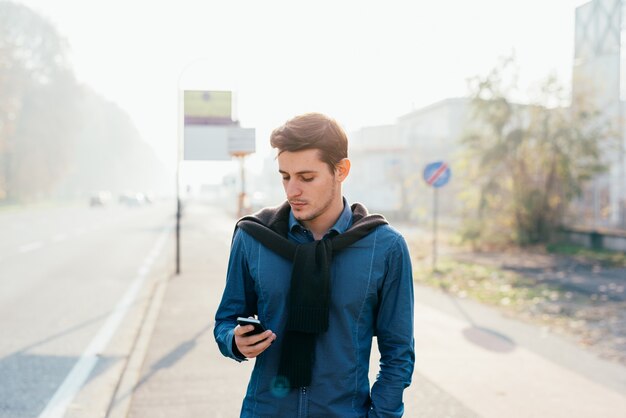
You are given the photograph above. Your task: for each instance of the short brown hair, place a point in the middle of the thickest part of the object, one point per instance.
(312, 131)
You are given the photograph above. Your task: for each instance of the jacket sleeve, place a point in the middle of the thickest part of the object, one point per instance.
(394, 327)
(238, 299)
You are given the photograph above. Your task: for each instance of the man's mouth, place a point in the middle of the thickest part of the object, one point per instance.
(295, 204)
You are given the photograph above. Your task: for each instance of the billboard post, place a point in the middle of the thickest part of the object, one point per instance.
(241, 142)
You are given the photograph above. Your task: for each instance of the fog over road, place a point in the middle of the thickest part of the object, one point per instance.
(68, 276)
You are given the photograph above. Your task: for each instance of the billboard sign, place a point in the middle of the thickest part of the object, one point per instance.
(206, 107)
(207, 142)
(241, 141)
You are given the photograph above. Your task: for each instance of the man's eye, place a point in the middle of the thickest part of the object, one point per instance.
(285, 178)
(307, 179)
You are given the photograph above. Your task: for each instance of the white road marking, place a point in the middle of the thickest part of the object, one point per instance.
(30, 246)
(80, 372)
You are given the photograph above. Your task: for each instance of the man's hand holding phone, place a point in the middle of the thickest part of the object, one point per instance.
(251, 338)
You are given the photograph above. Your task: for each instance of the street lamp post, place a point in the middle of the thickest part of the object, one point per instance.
(180, 123)
(240, 142)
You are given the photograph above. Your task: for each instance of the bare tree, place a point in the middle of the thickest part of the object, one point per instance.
(36, 103)
(527, 162)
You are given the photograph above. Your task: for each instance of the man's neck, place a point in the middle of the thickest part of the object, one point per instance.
(320, 225)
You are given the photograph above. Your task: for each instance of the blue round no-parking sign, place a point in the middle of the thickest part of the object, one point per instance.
(437, 174)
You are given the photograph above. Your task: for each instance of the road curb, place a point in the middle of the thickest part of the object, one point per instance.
(123, 395)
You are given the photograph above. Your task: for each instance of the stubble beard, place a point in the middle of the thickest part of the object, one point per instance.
(322, 209)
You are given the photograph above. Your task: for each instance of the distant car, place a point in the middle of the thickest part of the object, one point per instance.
(132, 199)
(123, 198)
(101, 198)
(149, 198)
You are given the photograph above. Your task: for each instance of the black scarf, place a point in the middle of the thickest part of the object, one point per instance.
(309, 294)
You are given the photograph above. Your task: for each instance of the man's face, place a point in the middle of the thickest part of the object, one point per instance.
(310, 186)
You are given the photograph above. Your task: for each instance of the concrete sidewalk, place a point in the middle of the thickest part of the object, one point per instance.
(469, 360)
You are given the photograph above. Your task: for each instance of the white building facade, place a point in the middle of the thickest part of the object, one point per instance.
(389, 160)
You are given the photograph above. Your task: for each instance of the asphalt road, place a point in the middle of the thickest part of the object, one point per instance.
(69, 277)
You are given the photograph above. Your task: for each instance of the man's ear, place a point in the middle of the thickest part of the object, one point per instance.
(342, 169)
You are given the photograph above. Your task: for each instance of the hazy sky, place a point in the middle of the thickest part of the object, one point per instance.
(362, 62)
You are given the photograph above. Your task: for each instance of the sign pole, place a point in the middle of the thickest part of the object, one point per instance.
(435, 213)
(436, 174)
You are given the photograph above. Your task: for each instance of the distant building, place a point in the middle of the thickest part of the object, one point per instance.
(378, 163)
(599, 77)
(388, 160)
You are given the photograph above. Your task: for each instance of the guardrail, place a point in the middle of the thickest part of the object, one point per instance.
(597, 239)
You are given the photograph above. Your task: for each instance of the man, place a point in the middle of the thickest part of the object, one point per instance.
(323, 277)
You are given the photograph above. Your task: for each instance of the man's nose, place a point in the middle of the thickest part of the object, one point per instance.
(292, 190)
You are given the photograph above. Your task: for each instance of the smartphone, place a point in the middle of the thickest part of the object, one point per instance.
(258, 327)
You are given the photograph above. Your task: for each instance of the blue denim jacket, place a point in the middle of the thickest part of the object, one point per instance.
(371, 294)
